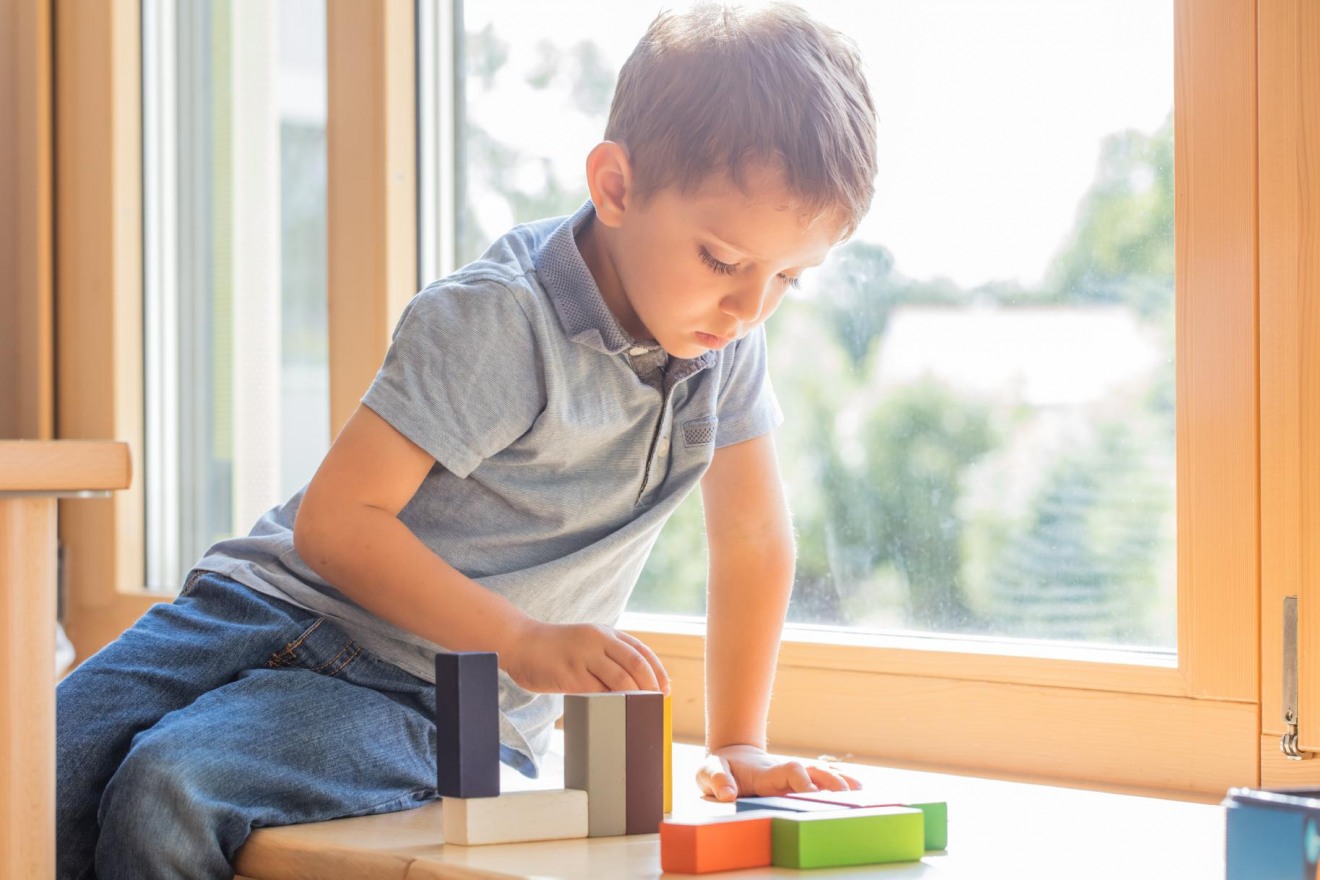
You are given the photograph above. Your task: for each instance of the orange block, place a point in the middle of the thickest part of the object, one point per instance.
(719, 843)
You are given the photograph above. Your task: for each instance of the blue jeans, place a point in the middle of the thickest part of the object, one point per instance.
(224, 711)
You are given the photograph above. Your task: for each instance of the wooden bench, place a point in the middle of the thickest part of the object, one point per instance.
(996, 829)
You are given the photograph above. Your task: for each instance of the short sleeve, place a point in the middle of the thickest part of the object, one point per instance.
(747, 406)
(462, 378)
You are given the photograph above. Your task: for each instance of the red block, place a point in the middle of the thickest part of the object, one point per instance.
(720, 843)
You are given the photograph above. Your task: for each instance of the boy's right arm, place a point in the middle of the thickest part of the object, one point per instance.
(348, 531)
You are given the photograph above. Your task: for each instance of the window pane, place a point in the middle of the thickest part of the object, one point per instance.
(979, 386)
(234, 161)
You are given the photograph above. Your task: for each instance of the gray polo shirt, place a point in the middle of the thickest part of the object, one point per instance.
(561, 447)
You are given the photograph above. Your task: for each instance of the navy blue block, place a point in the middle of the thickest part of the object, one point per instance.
(1272, 835)
(467, 724)
(789, 805)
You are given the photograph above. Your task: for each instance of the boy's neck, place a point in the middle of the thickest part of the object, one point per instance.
(592, 244)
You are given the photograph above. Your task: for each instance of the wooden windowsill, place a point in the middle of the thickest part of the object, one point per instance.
(1048, 664)
(996, 829)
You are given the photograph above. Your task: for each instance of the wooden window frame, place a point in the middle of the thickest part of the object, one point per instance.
(27, 371)
(1189, 730)
(1289, 370)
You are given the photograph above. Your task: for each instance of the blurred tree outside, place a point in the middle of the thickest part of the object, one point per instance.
(919, 442)
(1120, 249)
(1086, 568)
(575, 78)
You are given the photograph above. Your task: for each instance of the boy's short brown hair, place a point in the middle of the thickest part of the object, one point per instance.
(717, 87)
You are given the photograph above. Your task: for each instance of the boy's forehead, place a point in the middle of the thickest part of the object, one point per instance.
(766, 226)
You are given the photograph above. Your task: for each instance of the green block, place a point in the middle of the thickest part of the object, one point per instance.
(937, 824)
(848, 837)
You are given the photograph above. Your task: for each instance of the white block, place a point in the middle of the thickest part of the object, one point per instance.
(515, 818)
(595, 758)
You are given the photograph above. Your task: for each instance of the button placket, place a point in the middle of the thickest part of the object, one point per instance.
(660, 440)
(659, 443)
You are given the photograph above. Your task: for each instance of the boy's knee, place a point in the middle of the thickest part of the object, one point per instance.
(161, 809)
(161, 783)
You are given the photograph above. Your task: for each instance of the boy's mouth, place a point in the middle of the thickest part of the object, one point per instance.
(709, 340)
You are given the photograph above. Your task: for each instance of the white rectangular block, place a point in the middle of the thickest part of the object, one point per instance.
(516, 817)
(595, 758)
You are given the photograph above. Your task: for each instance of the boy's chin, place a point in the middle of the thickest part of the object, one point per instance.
(685, 349)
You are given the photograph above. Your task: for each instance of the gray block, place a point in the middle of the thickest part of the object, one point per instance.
(595, 758)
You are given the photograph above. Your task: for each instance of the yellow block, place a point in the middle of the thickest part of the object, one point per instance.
(669, 754)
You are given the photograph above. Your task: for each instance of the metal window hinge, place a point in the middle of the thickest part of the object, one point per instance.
(1288, 744)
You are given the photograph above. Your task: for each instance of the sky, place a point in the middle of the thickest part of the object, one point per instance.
(990, 114)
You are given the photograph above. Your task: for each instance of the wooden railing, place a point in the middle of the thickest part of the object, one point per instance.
(33, 475)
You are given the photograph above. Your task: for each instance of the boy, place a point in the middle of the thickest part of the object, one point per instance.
(539, 415)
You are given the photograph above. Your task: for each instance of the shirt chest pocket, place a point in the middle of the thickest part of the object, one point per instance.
(700, 432)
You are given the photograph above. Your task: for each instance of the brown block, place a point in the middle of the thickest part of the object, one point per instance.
(645, 762)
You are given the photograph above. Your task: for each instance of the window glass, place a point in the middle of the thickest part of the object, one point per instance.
(235, 214)
(979, 385)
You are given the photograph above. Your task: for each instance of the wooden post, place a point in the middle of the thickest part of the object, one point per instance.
(32, 475)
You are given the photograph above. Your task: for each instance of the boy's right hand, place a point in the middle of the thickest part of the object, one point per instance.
(581, 658)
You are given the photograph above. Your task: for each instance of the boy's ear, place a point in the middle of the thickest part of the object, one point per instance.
(609, 178)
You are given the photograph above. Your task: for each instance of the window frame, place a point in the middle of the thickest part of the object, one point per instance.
(372, 232)
(1189, 731)
(1290, 372)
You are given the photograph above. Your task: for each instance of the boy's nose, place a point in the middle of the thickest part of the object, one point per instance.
(747, 302)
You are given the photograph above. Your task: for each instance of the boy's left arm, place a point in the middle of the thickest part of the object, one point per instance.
(750, 537)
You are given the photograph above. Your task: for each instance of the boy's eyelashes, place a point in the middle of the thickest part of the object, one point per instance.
(720, 267)
(717, 266)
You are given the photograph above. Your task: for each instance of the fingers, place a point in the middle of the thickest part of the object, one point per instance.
(716, 779)
(795, 777)
(765, 775)
(657, 668)
(587, 658)
(633, 664)
(613, 675)
(831, 779)
(638, 668)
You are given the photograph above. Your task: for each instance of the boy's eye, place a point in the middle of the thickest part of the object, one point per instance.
(723, 268)
(717, 266)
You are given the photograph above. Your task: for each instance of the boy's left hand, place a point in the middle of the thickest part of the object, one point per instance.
(746, 771)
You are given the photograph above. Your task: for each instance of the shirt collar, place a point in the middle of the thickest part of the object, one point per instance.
(573, 291)
(578, 301)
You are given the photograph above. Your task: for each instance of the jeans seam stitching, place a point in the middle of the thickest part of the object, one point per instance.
(347, 647)
(282, 657)
(192, 579)
(411, 795)
(345, 664)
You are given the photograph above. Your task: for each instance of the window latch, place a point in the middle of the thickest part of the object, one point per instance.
(1288, 744)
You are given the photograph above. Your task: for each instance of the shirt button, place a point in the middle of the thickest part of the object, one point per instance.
(638, 350)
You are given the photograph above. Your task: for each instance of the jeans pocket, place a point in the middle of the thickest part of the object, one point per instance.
(322, 648)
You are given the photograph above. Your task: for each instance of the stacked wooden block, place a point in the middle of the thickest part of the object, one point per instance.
(618, 780)
(617, 771)
(810, 830)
